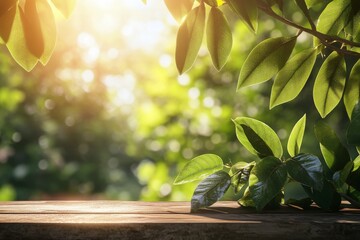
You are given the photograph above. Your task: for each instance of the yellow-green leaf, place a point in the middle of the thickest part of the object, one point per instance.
(334, 17)
(296, 137)
(66, 7)
(352, 89)
(189, 38)
(17, 44)
(265, 60)
(219, 38)
(7, 16)
(48, 28)
(214, 3)
(179, 8)
(247, 11)
(32, 28)
(329, 84)
(292, 77)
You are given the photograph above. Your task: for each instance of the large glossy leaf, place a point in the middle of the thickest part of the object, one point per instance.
(210, 190)
(296, 137)
(7, 16)
(179, 8)
(354, 176)
(307, 170)
(328, 198)
(292, 77)
(265, 60)
(329, 84)
(352, 90)
(257, 137)
(48, 28)
(32, 28)
(334, 17)
(189, 38)
(219, 37)
(266, 181)
(247, 11)
(199, 167)
(335, 154)
(353, 132)
(17, 44)
(66, 7)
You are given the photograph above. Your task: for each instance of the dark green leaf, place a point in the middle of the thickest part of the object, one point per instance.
(334, 17)
(296, 137)
(266, 181)
(257, 137)
(295, 194)
(199, 168)
(179, 8)
(247, 11)
(340, 177)
(210, 190)
(307, 170)
(328, 198)
(246, 199)
(354, 177)
(265, 60)
(353, 132)
(189, 38)
(240, 173)
(335, 154)
(329, 84)
(7, 16)
(352, 90)
(292, 77)
(219, 38)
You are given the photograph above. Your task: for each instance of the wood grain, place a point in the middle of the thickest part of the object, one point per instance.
(169, 220)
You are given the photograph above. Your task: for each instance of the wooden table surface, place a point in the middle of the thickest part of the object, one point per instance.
(169, 220)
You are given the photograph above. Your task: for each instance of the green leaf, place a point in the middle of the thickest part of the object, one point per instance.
(295, 194)
(292, 77)
(7, 16)
(240, 173)
(247, 11)
(257, 137)
(335, 154)
(307, 170)
(48, 28)
(198, 168)
(246, 199)
(219, 38)
(354, 177)
(302, 5)
(266, 181)
(189, 38)
(329, 84)
(340, 177)
(352, 90)
(334, 17)
(179, 8)
(32, 28)
(296, 137)
(210, 190)
(311, 3)
(328, 198)
(66, 7)
(17, 44)
(214, 3)
(353, 131)
(265, 60)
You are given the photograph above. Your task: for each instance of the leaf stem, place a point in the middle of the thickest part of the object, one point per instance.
(325, 39)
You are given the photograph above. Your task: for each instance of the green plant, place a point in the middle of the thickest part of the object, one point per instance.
(299, 180)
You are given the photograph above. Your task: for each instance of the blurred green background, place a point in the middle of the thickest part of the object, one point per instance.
(109, 117)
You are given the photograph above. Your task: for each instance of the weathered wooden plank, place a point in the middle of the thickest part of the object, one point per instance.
(169, 220)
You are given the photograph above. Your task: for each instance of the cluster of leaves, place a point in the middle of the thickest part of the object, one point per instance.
(298, 180)
(336, 36)
(28, 28)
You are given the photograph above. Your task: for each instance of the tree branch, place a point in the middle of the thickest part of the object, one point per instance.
(325, 39)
